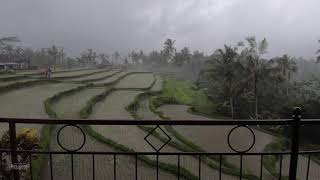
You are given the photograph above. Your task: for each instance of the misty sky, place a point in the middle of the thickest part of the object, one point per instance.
(291, 26)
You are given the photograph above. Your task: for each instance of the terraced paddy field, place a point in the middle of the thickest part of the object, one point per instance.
(314, 172)
(97, 76)
(125, 168)
(57, 70)
(29, 102)
(133, 137)
(113, 107)
(73, 74)
(112, 78)
(215, 140)
(6, 77)
(104, 164)
(7, 83)
(157, 87)
(140, 80)
(70, 106)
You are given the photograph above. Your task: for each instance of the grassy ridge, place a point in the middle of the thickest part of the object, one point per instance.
(86, 111)
(10, 78)
(186, 146)
(184, 173)
(270, 161)
(97, 79)
(141, 89)
(19, 85)
(45, 135)
(120, 78)
(49, 102)
(176, 92)
(80, 75)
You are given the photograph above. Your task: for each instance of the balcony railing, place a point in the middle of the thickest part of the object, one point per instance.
(18, 168)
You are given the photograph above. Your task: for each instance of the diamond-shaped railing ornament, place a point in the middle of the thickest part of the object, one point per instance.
(150, 133)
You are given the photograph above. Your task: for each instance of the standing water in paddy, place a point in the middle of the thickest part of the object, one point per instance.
(159, 90)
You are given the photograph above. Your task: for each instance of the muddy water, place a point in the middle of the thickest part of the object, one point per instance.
(214, 138)
(95, 76)
(70, 106)
(314, 170)
(112, 78)
(28, 102)
(83, 164)
(136, 81)
(133, 137)
(113, 107)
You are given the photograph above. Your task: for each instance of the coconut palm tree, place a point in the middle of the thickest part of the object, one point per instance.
(223, 68)
(53, 53)
(169, 50)
(253, 53)
(182, 57)
(318, 52)
(286, 67)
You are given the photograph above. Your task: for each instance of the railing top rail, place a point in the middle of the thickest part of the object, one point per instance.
(163, 153)
(160, 122)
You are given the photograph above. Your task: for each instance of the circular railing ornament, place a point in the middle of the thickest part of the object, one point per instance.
(75, 149)
(253, 140)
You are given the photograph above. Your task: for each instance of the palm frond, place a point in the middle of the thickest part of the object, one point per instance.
(263, 45)
(252, 41)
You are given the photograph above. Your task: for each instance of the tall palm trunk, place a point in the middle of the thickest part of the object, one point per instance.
(231, 107)
(256, 94)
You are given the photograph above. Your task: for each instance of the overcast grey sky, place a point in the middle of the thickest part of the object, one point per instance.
(291, 26)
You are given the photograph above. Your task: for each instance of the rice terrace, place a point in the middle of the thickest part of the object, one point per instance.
(160, 90)
(118, 93)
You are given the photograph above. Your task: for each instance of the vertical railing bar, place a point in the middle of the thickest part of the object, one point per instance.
(157, 166)
(93, 167)
(220, 167)
(13, 147)
(136, 166)
(72, 173)
(114, 167)
(295, 143)
(261, 166)
(51, 172)
(1, 164)
(30, 166)
(308, 167)
(280, 172)
(178, 166)
(199, 167)
(240, 166)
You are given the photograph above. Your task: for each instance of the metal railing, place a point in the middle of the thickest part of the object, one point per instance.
(295, 123)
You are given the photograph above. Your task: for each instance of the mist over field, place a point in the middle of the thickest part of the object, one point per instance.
(144, 61)
(108, 26)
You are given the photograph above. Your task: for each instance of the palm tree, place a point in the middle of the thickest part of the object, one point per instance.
(169, 50)
(116, 57)
(53, 53)
(286, 67)
(253, 53)
(5, 41)
(134, 57)
(182, 57)
(222, 68)
(318, 51)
